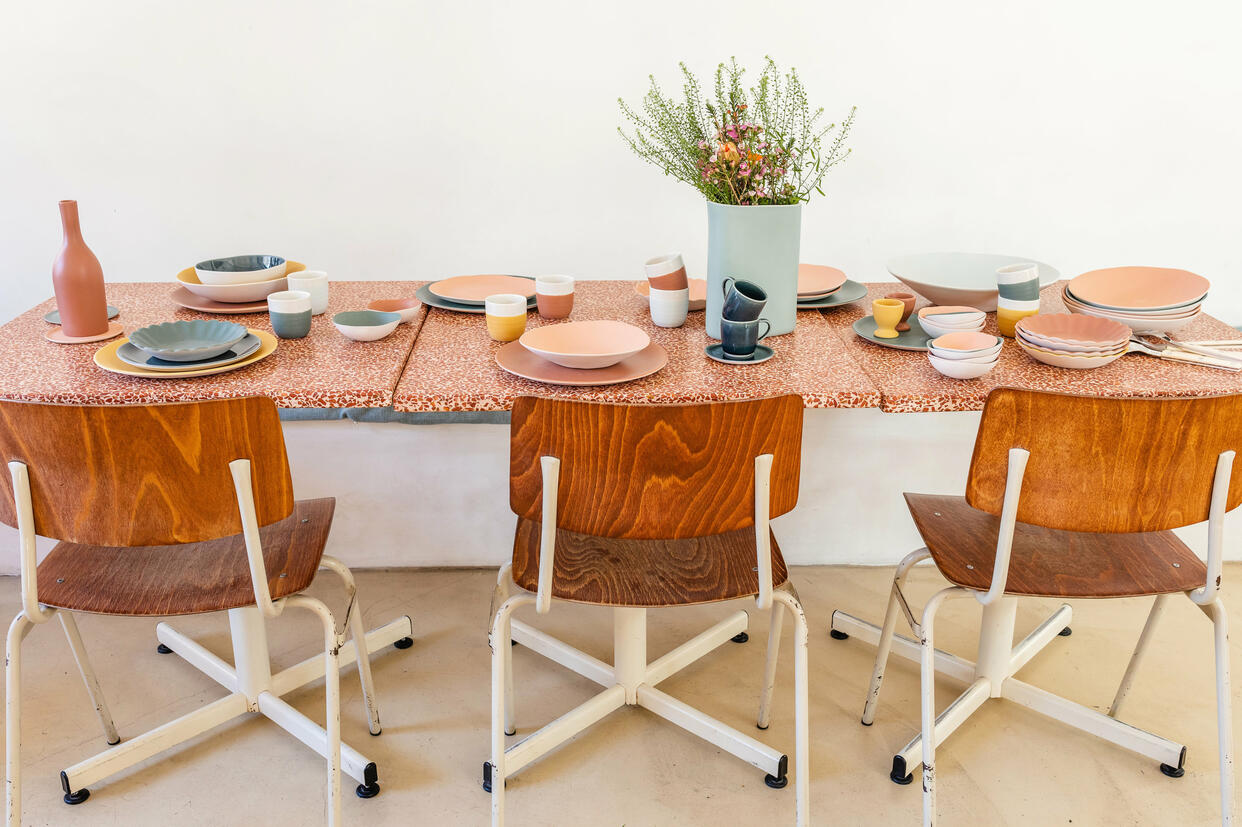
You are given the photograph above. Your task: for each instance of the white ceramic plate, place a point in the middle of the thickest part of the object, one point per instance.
(960, 278)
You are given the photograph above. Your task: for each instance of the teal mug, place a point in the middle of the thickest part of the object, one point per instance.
(739, 339)
(743, 300)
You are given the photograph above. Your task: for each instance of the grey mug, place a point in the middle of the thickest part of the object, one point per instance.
(743, 300)
(739, 339)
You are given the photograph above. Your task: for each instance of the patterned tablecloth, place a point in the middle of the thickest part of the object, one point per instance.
(323, 370)
(453, 365)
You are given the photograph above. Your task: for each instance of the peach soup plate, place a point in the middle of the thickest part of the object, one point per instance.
(588, 345)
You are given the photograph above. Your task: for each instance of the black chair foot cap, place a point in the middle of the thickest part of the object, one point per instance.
(835, 635)
(513, 643)
(866, 723)
(114, 743)
(899, 774)
(1066, 632)
(163, 650)
(511, 731)
(404, 643)
(781, 779)
(1171, 771)
(367, 790)
(740, 637)
(487, 776)
(757, 726)
(78, 797)
(381, 732)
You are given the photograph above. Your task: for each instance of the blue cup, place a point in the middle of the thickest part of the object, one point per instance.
(739, 339)
(743, 300)
(289, 312)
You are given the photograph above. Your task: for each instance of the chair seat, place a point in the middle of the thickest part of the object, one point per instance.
(648, 573)
(186, 579)
(1050, 563)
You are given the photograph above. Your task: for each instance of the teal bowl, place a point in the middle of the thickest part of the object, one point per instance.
(366, 325)
(188, 341)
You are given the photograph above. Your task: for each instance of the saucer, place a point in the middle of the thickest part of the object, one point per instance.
(56, 335)
(762, 354)
(53, 317)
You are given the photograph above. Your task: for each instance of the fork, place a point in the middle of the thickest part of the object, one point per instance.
(1159, 350)
(1202, 350)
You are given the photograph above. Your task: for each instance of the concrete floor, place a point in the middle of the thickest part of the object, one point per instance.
(1004, 766)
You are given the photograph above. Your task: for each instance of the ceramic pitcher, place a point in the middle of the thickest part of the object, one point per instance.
(78, 280)
(756, 244)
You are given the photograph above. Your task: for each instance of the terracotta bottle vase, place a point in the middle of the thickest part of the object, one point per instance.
(78, 281)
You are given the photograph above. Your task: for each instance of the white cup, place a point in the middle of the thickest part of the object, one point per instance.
(289, 301)
(669, 307)
(314, 282)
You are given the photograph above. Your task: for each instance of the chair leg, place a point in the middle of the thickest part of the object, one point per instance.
(13, 720)
(70, 625)
(502, 594)
(927, 646)
(1127, 680)
(885, 644)
(1224, 708)
(358, 632)
(332, 699)
(769, 670)
(500, 639)
(802, 706)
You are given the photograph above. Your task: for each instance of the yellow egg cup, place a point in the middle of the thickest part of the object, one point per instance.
(887, 313)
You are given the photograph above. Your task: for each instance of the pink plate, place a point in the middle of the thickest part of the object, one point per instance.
(587, 345)
(1138, 288)
(818, 280)
(1075, 329)
(519, 361)
(474, 289)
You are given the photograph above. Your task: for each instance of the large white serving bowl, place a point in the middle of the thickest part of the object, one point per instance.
(237, 293)
(1073, 361)
(598, 343)
(240, 269)
(960, 368)
(960, 278)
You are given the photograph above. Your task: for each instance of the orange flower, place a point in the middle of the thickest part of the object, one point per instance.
(754, 157)
(729, 152)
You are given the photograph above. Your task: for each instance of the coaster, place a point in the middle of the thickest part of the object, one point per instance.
(762, 354)
(54, 335)
(54, 316)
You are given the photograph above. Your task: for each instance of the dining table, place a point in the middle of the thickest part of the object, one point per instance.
(436, 494)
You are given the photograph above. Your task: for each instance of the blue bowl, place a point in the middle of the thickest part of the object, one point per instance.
(188, 341)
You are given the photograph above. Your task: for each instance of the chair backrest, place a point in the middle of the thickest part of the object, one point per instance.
(143, 475)
(654, 471)
(1106, 465)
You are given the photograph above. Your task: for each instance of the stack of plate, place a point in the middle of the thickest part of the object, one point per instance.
(1069, 341)
(177, 350)
(211, 287)
(467, 294)
(821, 286)
(1145, 299)
(939, 321)
(597, 352)
(965, 354)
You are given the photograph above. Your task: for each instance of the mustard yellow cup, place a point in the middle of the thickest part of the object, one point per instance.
(506, 316)
(888, 313)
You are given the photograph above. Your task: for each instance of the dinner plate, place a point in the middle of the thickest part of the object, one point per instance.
(1131, 289)
(130, 354)
(515, 359)
(107, 359)
(53, 316)
(850, 291)
(913, 339)
(960, 278)
(189, 301)
(698, 292)
(818, 280)
(475, 289)
(432, 300)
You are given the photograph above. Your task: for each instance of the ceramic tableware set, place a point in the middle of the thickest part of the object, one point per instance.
(965, 354)
(234, 285)
(668, 290)
(588, 353)
(741, 327)
(1078, 342)
(467, 294)
(820, 287)
(1144, 299)
(183, 349)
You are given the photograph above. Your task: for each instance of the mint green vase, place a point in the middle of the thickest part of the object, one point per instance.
(760, 245)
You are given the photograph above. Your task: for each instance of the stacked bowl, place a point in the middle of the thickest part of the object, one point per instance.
(1144, 299)
(236, 280)
(964, 354)
(940, 321)
(1072, 341)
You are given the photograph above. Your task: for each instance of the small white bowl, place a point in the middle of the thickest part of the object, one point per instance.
(959, 356)
(366, 325)
(936, 331)
(960, 368)
(240, 269)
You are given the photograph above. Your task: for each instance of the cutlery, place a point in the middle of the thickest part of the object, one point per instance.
(1158, 349)
(1202, 350)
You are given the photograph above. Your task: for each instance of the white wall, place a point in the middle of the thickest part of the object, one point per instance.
(418, 139)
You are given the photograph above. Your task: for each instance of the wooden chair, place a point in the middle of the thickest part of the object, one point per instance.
(168, 510)
(640, 506)
(1068, 497)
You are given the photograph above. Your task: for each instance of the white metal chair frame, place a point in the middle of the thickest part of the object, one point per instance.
(632, 680)
(998, 660)
(252, 686)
